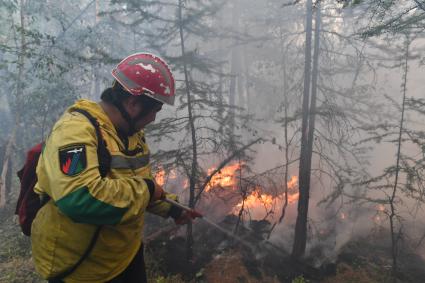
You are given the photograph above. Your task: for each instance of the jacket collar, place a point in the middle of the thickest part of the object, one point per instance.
(96, 111)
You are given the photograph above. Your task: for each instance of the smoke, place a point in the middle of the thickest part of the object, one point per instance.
(330, 229)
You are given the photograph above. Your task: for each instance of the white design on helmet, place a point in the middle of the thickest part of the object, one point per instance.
(167, 88)
(147, 67)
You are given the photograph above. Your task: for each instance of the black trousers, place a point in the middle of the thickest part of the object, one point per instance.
(134, 273)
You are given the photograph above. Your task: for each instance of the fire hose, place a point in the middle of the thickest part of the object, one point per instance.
(195, 214)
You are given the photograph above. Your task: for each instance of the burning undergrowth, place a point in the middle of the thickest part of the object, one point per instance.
(246, 210)
(228, 191)
(260, 213)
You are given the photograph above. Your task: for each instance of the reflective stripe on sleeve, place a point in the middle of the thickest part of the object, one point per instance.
(122, 162)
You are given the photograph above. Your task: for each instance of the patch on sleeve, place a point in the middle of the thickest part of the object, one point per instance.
(72, 159)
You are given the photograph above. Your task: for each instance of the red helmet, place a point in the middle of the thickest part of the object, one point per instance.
(146, 74)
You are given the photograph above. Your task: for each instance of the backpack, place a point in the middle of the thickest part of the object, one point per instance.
(29, 202)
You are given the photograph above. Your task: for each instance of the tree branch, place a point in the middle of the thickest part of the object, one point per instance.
(221, 166)
(420, 5)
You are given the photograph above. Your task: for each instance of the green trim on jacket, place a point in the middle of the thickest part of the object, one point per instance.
(82, 207)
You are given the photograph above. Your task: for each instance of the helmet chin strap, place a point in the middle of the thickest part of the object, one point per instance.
(130, 121)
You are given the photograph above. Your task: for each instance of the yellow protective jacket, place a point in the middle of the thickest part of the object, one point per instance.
(81, 200)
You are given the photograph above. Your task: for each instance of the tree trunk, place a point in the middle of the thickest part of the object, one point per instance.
(311, 124)
(287, 143)
(221, 89)
(247, 64)
(96, 81)
(194, 168)
(393, 213)
(234, 72)
(221, 109)
(244, 191)
(315, 75)
(7, 160)
(300, 239)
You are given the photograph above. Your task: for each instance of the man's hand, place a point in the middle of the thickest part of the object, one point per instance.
(187, 216)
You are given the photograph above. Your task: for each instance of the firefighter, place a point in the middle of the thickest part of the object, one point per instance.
(90, 230)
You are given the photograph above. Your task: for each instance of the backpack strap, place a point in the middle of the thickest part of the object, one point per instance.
(104, 158)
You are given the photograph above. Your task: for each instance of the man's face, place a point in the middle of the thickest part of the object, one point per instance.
(135, 109)
(147, 119)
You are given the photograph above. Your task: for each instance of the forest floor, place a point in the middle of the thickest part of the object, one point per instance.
(218, 259)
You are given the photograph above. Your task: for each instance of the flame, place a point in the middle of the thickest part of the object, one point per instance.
(342, 216)
(260, 204)
(160, 176)
(257, 197)
(379, 217)
(293, 198)
(292, 185)
(257, 204)
(226, 177)
(292, 182)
